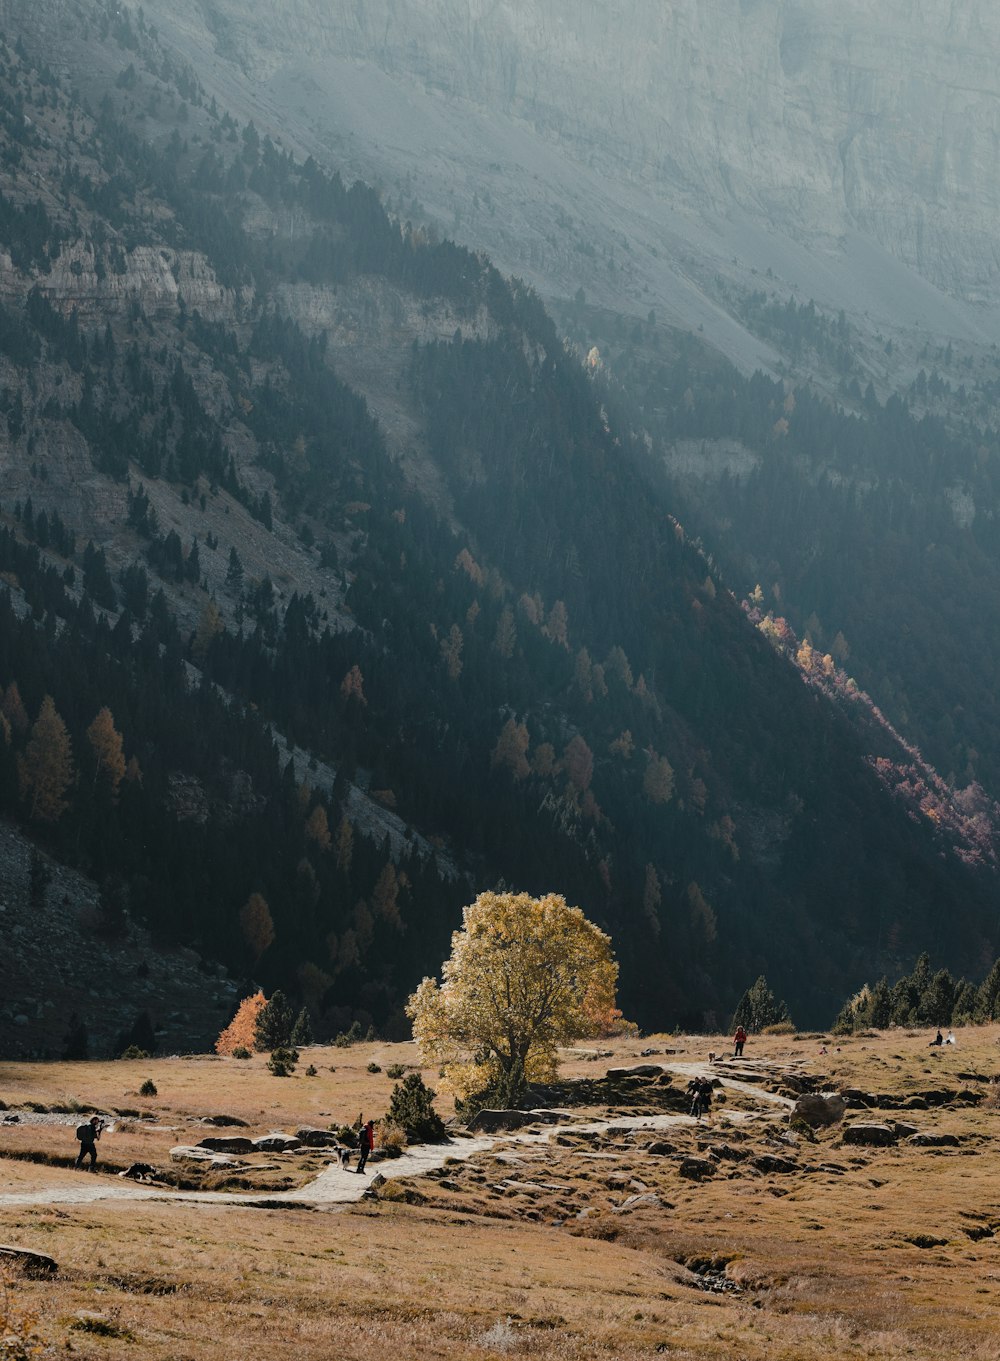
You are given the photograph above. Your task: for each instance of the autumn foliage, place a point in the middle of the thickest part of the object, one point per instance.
(525, 975)
(241, 1031)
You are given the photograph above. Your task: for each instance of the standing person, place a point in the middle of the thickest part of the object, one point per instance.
(739, 1040)
(88, 1134)
(366, 1142)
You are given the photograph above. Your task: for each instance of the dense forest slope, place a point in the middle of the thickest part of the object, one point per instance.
(353, 591)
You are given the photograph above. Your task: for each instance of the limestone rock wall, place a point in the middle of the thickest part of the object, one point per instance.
(814, 116)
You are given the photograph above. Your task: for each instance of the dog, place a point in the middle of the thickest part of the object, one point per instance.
(344, 1155)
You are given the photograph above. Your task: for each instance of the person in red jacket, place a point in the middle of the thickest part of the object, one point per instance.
(366, 1142)
(739, 1040)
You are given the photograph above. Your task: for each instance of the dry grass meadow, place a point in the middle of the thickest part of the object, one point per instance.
(786, 1249)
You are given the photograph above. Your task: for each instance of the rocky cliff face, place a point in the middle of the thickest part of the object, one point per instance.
(813, 117)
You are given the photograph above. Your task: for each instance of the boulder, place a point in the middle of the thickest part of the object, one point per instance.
(227, 1143)
(33, 1263)
(224, 1121)
(903, 1129)
(928, 1139)
(493, 1122)
(817, 1109)
(185, 1154)
(276, 1142)
(630, 1203)
(770, 1162)
(696, 1169)
(317, 1138)
(640, 1070)
(872, 1134)
(660, 1148)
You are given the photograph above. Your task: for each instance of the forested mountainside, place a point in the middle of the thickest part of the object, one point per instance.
(335, 589)
(872, 525)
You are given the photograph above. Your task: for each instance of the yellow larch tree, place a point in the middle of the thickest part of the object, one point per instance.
(511, 750)
(525, 975)
(45, 768)
(318, 828)
(109, 751)
(240, 1033)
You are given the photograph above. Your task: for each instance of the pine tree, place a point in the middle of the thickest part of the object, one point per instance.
(318, 828)
(302, 1032)
(273, 1027)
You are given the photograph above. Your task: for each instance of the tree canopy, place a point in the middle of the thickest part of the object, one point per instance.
(525, 975)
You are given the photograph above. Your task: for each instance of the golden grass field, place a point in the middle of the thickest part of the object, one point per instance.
(522, 1250)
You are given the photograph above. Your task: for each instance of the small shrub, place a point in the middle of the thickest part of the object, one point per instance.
(395, 1071)
(282, 1061)
(779, 1028)
(241, 1052)
(148, 1088)
(411, 1107)
(348, 1136)
(391, 1139)
(134, 1052)
(374, 1067)
(311, 1070)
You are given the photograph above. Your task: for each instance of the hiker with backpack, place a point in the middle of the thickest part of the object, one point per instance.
(88, 1135)
(739, 1040)
(366, 1142)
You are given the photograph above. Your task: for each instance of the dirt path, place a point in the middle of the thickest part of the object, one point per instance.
(336, 1185)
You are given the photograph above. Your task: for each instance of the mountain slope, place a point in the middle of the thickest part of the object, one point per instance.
(455, 579)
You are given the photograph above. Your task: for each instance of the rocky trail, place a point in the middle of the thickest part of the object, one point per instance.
(339, 1186)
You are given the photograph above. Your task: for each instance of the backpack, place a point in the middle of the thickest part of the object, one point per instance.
(85, 1133)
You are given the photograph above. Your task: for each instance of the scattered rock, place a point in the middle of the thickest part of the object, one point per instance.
(696, 1169)
(770, 1162)
(630, 1203)
(33, 1263)
(640, 1070)
(227, 1143)
(317, 1138)
(492, 1122)
(878, 1135)
(817, 1109)
(660, 1148)
(276, 1142)
(224, 1121)
(903, 1129)
(929, 1139)
(925, 1240)
(183, 1153)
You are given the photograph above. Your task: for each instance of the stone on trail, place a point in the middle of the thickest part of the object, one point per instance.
(184, 1154)
(817, 1109)
(34, 1263)
(227, 1143)
(640, 1070)
(276, 1142)
(493, 1122)
(317, 1138)
(878, 1135)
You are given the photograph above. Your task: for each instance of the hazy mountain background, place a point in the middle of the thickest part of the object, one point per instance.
(397, 585)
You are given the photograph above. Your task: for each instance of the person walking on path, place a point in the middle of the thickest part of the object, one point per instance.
(366, 1142)
(88, 1134)
(739, 1040)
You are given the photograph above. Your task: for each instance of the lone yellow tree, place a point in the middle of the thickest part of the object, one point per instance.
(525, 976)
